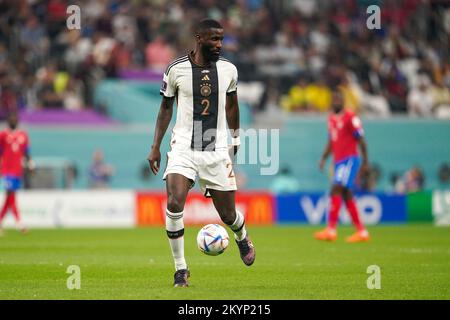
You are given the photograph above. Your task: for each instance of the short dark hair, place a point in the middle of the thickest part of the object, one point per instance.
(206, 24)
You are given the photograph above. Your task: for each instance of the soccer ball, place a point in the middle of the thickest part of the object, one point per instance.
(212, 239)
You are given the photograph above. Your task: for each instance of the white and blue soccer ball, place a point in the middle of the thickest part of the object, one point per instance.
(212, 239)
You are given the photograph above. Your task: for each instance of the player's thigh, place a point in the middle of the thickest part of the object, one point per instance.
(216, 173)
(345, 172)
(11, 184)
(177, 187)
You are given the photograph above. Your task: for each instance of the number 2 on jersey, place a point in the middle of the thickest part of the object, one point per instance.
(205, 104)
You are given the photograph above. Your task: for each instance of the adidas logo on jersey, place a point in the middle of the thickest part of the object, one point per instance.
(205, 78)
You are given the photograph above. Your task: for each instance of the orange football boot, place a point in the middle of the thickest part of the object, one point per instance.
(326, 234)
(359, 236)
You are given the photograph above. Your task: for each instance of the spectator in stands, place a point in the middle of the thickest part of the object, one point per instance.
(308, 96)
(78, 50)
(367, 179)
(285, 182)
(70, 175)
(395, 181)
(34, 40)
(421, 100)
(441, 99)
(264, 40)
(412, 181)
(319, 95)
(49, 96)
(444, 175)
(100, 172)
(371, 103)
(159, 53)
(395, 88)
(298, 98)
(73, 95)
(8, 94)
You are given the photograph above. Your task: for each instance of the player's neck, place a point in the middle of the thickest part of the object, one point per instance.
(197, 57)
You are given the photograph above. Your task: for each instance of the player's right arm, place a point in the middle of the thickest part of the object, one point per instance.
(325, 154)
(168, 91)
(162, 123)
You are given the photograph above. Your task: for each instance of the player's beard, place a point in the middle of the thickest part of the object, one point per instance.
(209, 55)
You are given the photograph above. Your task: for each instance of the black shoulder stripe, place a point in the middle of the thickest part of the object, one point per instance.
(175, 62)
(178, 59)
(224, 59)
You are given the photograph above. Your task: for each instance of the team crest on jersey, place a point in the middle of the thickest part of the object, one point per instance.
(205, 90)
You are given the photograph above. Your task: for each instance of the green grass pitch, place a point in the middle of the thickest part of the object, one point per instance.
(137, 264)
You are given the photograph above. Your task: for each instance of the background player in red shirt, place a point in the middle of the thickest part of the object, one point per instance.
(345, 135)
(14, 148)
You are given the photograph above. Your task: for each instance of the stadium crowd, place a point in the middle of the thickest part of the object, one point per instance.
(298, 49)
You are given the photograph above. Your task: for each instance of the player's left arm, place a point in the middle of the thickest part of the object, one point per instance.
(358, 132)
(232, 112)
(365, 158)
(28, 160)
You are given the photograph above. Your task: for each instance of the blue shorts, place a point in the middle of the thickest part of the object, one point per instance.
(11, 183)
(345, 172)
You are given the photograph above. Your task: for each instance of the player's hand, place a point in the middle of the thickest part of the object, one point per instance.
(321, 164)
(154, 159)
(365, 169)
(31, 166)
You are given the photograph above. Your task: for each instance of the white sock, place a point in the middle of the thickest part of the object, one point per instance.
(238, 227)
(175, 232)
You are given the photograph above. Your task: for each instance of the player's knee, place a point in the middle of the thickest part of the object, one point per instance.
(337, 190)
(347, 194)
(174, 204)
(228, 216)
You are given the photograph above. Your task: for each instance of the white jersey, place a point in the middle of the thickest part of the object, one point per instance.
(200, 93)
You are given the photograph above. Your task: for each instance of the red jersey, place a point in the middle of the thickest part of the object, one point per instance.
(344, 131)
(13, 147)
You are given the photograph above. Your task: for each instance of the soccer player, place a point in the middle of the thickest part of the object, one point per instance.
(205, 87)
(14, 148)
(345, 134)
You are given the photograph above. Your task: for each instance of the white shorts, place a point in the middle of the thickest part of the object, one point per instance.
(213, 168)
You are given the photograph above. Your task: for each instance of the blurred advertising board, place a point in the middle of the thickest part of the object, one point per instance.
(78, 209)
(312, 208)
(441, 207)
(419, 206)
(257, 207)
